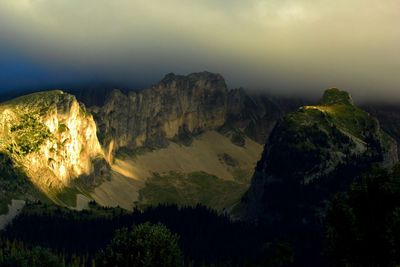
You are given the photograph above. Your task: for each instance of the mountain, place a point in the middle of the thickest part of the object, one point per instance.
(47, 140)
(180, 129)
(313, 153)
(179, 107)
(185, 140)
(190, 140)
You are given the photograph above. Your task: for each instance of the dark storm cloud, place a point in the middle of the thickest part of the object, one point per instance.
(284, 45)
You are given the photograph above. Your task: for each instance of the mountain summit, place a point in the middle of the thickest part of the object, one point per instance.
(316, 146)
(335, 96)
(181, 106)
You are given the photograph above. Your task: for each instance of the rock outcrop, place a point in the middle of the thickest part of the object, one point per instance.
(181, 106)
(50, 137)
(313, 153)
(152, 116)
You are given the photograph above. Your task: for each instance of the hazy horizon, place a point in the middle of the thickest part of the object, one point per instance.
(289, 47)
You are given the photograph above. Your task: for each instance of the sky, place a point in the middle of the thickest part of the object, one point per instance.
(280, 46)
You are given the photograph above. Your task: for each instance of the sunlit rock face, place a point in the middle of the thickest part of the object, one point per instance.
(313, 153)
(50, 136)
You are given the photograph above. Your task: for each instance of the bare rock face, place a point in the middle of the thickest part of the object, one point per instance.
(152, 116)
(176, 106)
(50, 137)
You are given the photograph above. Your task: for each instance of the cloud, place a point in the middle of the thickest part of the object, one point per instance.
(286, 45)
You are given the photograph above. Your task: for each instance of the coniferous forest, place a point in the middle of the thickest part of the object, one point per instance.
(361, 228)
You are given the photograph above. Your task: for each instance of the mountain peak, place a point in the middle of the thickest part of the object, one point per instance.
(316, 149)
(335, 96)
(169, 76)
(196, 76)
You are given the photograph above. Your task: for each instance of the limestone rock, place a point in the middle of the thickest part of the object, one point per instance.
(180, 105)
(50, 137)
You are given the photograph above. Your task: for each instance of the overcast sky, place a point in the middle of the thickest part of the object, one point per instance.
(275, 45)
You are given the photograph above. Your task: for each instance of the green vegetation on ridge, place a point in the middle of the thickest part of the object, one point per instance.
(337, 108)
(314, 140)
(29, 134)
(336, 96)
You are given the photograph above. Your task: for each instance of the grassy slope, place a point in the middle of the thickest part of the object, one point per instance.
(339, 110)
(348, 118)
(204, 154)
(210, 153)
(120, 191)
(191, 189)
(336, 108)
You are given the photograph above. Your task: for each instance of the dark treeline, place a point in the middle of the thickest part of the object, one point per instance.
(361, 227)
(205, 236)
(363, 224)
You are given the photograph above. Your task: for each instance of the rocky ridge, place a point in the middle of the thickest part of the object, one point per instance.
(314, 152)
(179, 107)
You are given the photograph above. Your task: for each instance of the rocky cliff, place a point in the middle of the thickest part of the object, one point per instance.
(177, 104)
(50, 138)
(313, 152)
(181, 106)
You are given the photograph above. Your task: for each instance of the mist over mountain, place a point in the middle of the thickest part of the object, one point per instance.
(292, 47)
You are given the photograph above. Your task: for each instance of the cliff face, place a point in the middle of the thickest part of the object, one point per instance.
(314, 152)
(179, 106)
(152, 116)
(50, 137)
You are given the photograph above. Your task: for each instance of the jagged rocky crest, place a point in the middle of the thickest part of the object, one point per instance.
(179, 106)
(313, 152)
